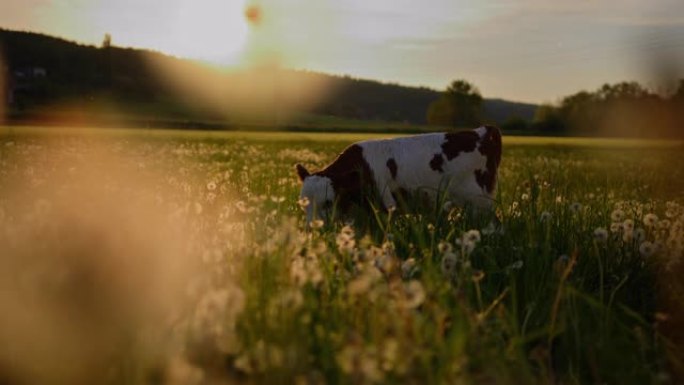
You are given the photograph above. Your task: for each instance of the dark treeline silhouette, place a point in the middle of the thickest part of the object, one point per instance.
(50, 78)
(622, 109)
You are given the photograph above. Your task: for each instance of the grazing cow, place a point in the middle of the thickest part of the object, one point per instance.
(463, 165)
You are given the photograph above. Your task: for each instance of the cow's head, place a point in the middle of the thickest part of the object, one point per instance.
(317, 194)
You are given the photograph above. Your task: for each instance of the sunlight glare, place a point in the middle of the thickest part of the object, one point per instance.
(212, 30)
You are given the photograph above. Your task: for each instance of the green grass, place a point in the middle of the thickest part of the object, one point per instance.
(396, 298)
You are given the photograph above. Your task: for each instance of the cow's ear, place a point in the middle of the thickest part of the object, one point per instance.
(302, 172)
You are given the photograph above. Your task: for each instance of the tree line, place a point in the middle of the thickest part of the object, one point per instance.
(621, 109)
(87, 75)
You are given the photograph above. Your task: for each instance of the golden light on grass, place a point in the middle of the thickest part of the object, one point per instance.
(94, 273)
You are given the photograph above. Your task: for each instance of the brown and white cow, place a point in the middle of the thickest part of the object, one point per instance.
(463, 165)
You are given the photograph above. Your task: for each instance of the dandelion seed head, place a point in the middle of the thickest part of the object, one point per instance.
(545, 216)
(647, 249)
(316, 223)
(414, 294)
(408, 267)
(448, 264)
(575, 207)
(617, 215)
(303, 202)
(650, 220)
(472, 236)
(639, 234)
(444, 247)
(601, 235)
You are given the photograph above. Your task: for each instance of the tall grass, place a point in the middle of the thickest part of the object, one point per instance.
(579, 284)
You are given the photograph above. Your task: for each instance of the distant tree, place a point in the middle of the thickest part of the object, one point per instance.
(514, 123)
(107, 41)
(678, 95)
(548, 118)
(622, 91)
(440, 112)
(460, 105)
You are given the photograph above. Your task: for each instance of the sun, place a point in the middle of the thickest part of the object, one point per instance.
(212, 30)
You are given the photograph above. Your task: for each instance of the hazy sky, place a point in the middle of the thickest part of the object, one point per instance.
(528, 50)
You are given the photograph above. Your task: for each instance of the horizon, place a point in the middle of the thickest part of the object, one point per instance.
(539, 52)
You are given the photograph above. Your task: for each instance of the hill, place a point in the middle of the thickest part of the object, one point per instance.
(51, 79)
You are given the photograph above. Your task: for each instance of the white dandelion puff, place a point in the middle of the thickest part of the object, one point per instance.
(617, 215)
(414, 294)
(472, 236)
(448, 264)
(316, 223)
(444, 247)
(601, 235)
(303, 202)
(408, 267)
(647, 249)
(575, 207)
(650, 220)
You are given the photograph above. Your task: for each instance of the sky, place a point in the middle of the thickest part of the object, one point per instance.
(526, 50)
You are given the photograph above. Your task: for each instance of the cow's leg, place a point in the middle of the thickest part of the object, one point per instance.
(388, 200)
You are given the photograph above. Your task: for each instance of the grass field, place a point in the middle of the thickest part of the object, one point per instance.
(175, 257)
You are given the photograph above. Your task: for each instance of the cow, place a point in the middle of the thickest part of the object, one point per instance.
(462, 165)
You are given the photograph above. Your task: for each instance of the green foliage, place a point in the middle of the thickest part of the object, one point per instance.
(566, 293)
(459, 106)
(515, 124)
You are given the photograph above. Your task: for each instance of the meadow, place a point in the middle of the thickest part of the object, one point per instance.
(167, 257)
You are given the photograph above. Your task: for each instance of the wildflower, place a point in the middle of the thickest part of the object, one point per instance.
(478, 276)
(345, 243)
(444, 247)
(472, 236)
(241, 206)
(575, 207)
(615, 227)
(664, 224)
(211, 186)
(303, 202)
(628, 225)
(647, 249)
(408, 267)
(545, 216)
(617, 215)
(627, 235)
(525, 197)
(415, 294)
(639, 234)
(601, 235)
(467, 247)
(431, 227)
(447, 206)
(448, 264)
(316, 223)
(517, 265)
(650, 220)
(276, 199)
